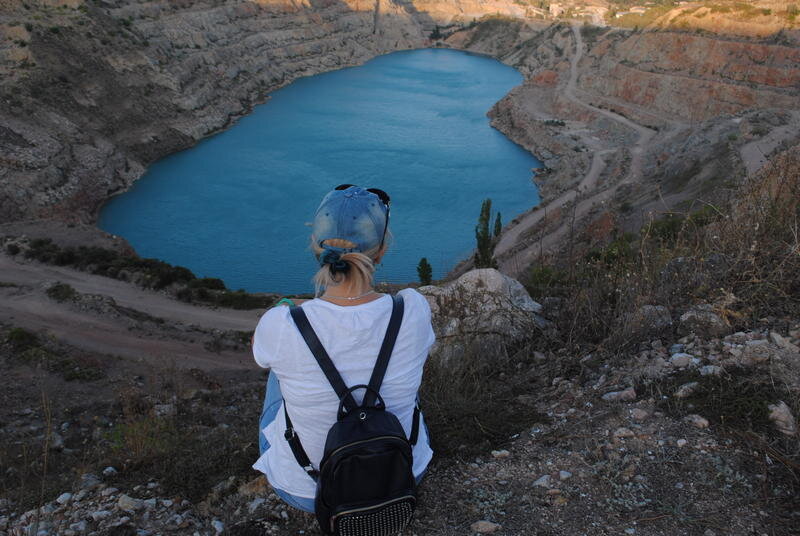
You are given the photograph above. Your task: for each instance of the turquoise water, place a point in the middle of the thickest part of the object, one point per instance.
(412, 123)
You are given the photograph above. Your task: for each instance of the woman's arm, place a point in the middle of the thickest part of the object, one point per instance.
(283, 301)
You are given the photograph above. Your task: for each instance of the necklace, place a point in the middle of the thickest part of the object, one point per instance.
(350, 297)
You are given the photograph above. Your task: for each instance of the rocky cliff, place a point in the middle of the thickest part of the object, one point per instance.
(630, 124)
(92, 92)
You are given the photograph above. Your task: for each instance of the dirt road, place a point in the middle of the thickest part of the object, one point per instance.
(512, 252)
(181, 334)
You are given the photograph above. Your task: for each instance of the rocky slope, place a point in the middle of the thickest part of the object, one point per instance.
(630, 124)
(689, 431)
(92, 92)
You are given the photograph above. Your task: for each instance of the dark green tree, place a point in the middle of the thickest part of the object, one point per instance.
(498, 225)
(485, 244)
(424, 271)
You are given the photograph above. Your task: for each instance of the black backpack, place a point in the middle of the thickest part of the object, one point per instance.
(365, 482)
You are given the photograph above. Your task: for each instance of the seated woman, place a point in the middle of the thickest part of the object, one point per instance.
(350, 319)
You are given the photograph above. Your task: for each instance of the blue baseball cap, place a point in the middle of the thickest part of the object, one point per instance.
(355, 214)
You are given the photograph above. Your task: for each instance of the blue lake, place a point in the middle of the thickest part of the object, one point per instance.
(413, 123)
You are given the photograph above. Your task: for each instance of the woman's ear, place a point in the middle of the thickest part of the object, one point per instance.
(379, 255)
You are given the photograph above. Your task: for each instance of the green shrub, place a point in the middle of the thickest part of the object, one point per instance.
(61, 292)
(212, 283)
(12, 249)
(542, 279)
(621, 249)
(21, 339)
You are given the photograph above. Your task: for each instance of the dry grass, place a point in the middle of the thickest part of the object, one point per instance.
(742, 256)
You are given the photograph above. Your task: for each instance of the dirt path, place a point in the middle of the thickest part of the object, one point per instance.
(512, 258)
(181, 338)
(754, 154)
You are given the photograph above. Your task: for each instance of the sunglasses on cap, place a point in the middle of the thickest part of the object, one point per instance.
(383, 196)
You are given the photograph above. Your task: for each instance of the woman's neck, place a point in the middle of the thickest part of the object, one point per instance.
(347, 294)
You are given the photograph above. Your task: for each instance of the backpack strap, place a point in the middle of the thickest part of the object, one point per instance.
(322, 357)
(415, 425)
(297, 447)
(382, 363)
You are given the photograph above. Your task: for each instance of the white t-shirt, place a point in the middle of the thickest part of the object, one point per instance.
(352, 336)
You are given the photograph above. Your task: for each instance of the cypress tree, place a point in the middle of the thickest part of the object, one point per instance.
(424, 271)
(498, 226)
(485, 247)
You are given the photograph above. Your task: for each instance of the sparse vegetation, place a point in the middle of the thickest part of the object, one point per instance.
(424, 271)
(148, 273)
(21, 339)
(753, 241)
(61, 292)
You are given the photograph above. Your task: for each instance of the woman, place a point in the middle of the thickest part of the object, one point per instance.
(350, 318)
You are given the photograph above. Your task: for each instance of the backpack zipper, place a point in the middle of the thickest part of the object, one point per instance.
(332, 454)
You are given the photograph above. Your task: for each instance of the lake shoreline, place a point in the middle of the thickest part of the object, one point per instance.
(417, 138)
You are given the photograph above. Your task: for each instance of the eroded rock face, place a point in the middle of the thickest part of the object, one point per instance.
(483, 308)
(693, 77)
(99, 90)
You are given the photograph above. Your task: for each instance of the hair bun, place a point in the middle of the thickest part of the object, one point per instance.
(334, 261)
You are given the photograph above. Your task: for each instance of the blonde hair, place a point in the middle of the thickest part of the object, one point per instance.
(361, 265)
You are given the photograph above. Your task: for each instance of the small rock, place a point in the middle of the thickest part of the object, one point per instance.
(639, 414)
(484, 527)
(686, 390)
(165, 410)
(681, 443)
(500, 454)
(254, 488)
(89, 480)
(710, 370)
(782, 418)
(564, 475)
(108, 491)
(703, 321)
(64, 498)
(697, 421)
(78, 527)
(680, 360)
(129, 504)
(542, 481)
(623, 433)
(784, 343)
(218, 526)
(255, 504)
(616, 396)
(56, 441)
(109, 471)
(650, 320)
(100, 515)
(150, 503)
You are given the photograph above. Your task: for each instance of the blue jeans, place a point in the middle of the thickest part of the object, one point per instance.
(272, 403)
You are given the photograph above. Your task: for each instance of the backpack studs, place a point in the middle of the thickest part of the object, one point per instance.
(362, 415)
